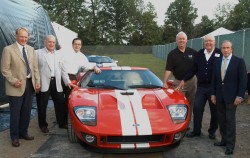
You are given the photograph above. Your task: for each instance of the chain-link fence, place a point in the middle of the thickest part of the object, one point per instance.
(240, 40)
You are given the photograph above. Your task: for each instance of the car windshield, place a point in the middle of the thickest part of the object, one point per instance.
(121, 79)
(100, 59)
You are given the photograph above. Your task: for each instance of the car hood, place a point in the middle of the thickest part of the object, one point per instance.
(136, 112)
(130, 112)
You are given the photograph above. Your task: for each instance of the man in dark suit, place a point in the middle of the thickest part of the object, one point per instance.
(20, 69)
(229, 84)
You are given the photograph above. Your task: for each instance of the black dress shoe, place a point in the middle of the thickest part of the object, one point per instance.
(15, 143)
(63, 126)
(211, 136)
(27, 137)
(192, 134)
(229, 151)
(44, 129)
(219, 144)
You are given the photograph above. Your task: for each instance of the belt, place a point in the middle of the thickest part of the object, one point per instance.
(71, 74)
(52, 78)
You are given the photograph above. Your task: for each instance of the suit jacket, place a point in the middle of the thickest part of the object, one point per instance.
(13, 68)
(202, 68)
(235, 80)
(45, 70)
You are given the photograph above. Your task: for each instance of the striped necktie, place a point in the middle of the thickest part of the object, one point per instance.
(26, 61)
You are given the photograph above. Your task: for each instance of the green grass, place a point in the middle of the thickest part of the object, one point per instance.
(156, 65)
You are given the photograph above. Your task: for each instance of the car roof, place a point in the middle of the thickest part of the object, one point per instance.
(123, 68)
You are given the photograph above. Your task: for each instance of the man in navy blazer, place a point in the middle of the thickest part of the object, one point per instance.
(229, 84)
(203, 68)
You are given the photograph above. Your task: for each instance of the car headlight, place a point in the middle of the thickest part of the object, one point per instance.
(178, 113)
(86, 114)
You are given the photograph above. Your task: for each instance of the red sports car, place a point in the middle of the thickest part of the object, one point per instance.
(126, 109)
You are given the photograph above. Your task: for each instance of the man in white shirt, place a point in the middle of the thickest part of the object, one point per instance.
(51, 68)
(75, 61)
(203, 68)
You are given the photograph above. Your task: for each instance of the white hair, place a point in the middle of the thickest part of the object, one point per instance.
(181, 33)
(209, 35)
(50, 36)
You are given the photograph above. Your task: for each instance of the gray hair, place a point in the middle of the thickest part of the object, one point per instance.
(183, 33)
(209, 35)
(22, 28)
(50, 36)
(227, 41)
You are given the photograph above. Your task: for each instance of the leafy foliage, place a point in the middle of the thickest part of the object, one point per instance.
(181, 15)
(204, 27)
(240, 17)
(131, 22)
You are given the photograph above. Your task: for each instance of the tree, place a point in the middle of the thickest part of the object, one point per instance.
(222, 15)
(106, 21)
(240, 17)
(65, 12)
(147, 31)
(181, 15)
(115, 19)
(204, 27)
(169, 34)
(90, 30)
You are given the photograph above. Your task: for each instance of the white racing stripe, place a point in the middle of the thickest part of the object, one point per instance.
(127, 146)
(133, 118)
(142, 145)
(141, 115)
(126, 114)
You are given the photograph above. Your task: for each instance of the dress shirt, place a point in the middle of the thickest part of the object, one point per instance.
(73, 61)
(208, 55)
(51, 61)
(20, 47)
(228, 60)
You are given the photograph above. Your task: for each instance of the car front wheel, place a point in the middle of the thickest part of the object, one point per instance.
(71, 133)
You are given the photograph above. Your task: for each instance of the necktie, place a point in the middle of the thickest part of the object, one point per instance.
(223, 68)
(26, 61)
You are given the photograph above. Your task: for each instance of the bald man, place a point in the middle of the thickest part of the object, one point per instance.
(50, 64)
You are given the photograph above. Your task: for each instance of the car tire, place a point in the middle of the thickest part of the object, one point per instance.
(175, 145)
(71, 133)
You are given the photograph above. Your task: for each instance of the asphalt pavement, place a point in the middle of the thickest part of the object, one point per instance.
(56, 144)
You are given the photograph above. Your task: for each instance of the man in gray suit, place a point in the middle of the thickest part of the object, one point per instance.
(20, 69)
(51, 68)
